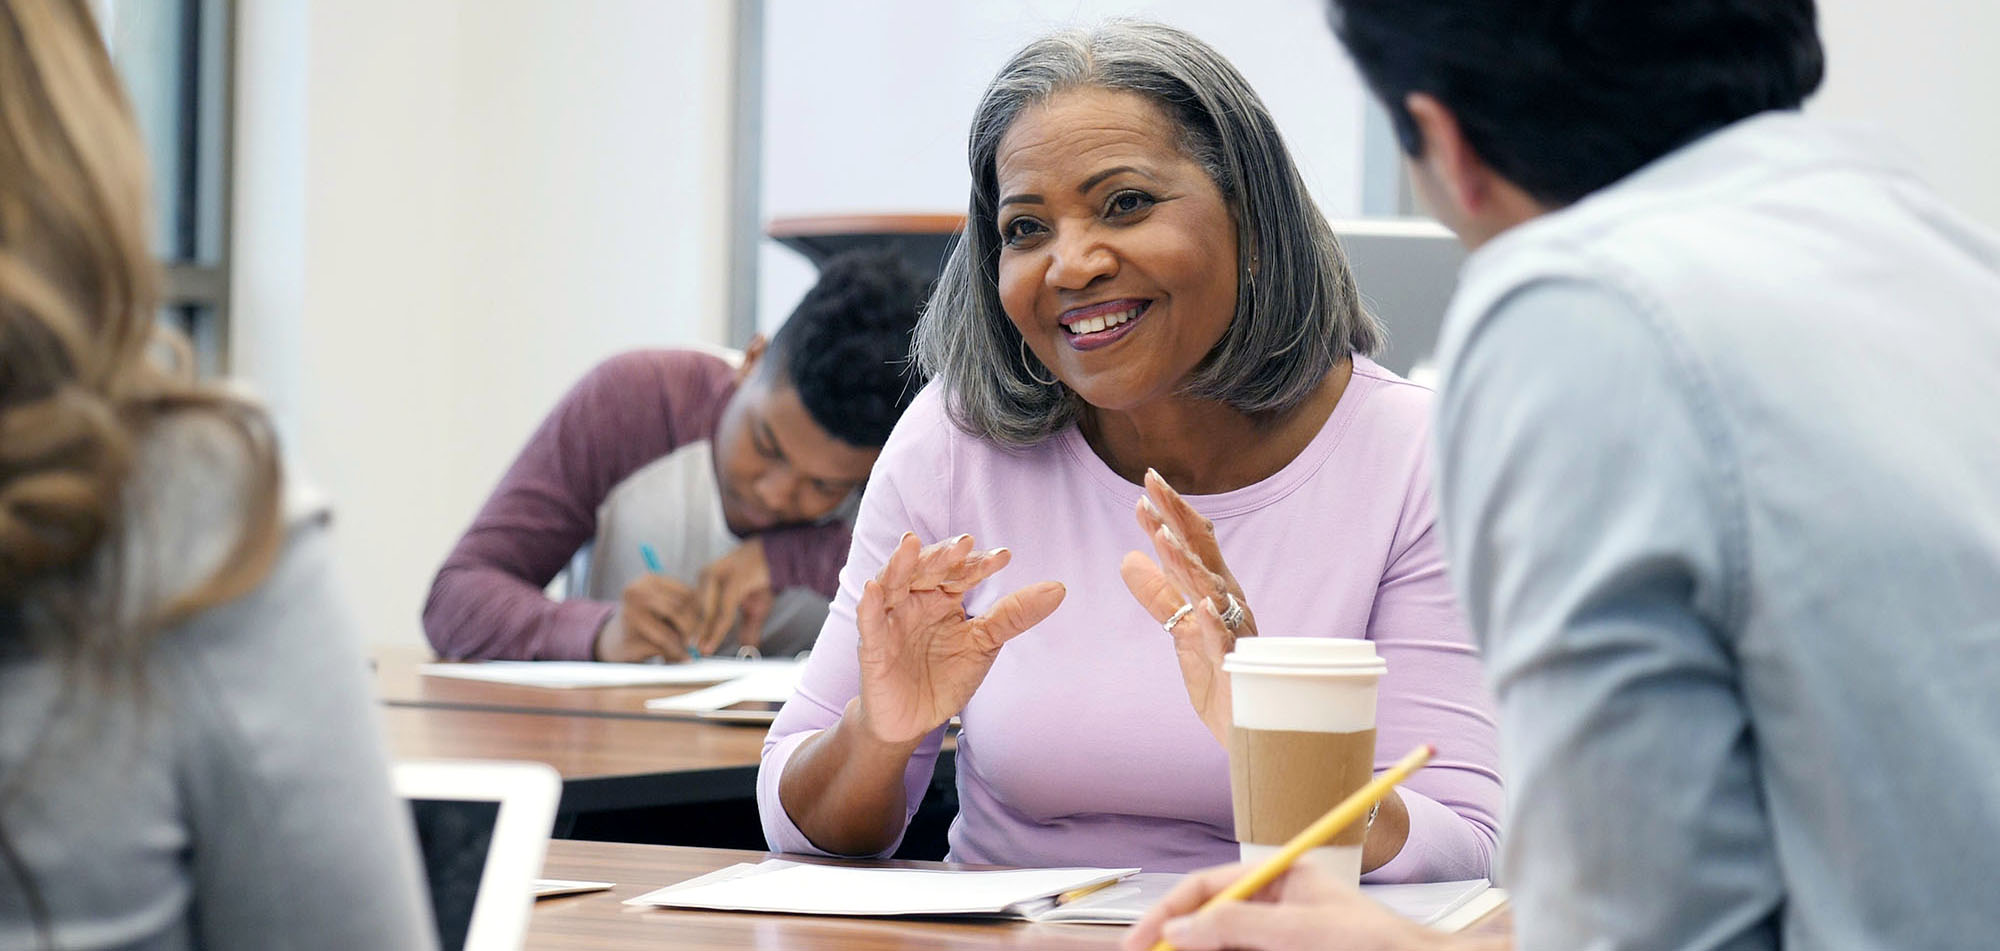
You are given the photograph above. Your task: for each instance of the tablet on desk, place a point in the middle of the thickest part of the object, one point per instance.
(483, 828)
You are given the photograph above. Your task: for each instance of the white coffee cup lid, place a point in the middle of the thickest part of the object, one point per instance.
(1305, 655)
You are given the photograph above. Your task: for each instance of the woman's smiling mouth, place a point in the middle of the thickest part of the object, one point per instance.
(1100, 325)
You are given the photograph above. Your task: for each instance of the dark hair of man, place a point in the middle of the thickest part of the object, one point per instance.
(846, 347)
(1564, 97)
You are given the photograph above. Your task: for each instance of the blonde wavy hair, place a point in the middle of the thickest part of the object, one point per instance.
(86, 371)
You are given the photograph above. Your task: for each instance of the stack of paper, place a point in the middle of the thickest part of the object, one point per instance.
(776, 885)
(781, 886)
(583, 673)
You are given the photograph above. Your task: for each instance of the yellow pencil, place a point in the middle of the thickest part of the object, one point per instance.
(1076, 893)
(1326, 827)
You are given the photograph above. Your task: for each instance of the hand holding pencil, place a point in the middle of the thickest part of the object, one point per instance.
(1274, 906)
(657, 616)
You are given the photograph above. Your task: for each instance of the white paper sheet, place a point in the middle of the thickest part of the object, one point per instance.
(780, 886)
(777, 885)
(583, 673)
(1128, 901)
(1426, 903)
(774, 683)
(559, 887)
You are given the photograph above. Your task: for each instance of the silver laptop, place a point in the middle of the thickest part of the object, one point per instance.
(483, 828)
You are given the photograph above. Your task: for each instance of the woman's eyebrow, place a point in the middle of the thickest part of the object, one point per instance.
(1098, 179)
(1082, 189)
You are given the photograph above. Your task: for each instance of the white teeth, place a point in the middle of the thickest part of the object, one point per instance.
(1102, 323)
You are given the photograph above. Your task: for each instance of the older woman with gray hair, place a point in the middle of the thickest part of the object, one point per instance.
(1144, 298)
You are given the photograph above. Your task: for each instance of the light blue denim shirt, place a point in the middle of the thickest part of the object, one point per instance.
(1720, 475)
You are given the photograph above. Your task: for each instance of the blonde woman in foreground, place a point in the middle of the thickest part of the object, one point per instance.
(188, 757)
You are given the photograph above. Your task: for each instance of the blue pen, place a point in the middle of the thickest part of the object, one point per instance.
(653, 565)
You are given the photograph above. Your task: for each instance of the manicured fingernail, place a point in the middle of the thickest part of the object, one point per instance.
(962, 539)
(1177, 930)
(997, 552)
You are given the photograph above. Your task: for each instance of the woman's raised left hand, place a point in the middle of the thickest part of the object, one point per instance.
(1190, 571)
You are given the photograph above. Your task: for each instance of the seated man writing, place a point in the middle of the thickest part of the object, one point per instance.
(729, 479)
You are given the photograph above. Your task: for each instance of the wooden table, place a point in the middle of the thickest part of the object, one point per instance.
(600, 920)
(606, 762)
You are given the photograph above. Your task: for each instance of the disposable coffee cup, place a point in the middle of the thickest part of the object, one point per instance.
(1301, 739)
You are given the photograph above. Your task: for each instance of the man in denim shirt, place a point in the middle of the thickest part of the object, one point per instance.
(1720, 476)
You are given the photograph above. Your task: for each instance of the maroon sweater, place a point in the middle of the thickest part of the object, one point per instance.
(487, 600)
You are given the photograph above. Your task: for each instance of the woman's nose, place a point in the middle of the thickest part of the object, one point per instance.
(1078, 261)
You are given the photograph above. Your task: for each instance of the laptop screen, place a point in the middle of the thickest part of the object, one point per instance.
(455, 836)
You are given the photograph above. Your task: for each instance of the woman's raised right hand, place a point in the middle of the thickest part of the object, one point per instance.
(921, 656)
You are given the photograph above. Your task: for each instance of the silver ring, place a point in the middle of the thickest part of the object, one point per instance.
(1232, 616)
(1179, 613)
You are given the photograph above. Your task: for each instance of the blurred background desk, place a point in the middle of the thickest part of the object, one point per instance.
(922, 240)
(629, 774)
(605, 762)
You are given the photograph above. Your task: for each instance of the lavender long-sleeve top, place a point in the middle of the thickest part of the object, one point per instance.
(1081, 748)
(634, 408)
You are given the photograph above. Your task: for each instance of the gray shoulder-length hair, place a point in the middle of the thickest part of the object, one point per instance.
(1297, 313)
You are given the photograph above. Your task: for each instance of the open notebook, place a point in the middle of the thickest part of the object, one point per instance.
(776, 885)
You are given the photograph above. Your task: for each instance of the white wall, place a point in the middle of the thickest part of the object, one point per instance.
(867, 102)
(1924, 71)
(447, 211)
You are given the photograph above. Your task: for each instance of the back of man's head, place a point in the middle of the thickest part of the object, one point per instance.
(1563, 97)
(846, 347)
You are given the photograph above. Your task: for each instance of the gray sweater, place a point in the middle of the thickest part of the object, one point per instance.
(240, 797)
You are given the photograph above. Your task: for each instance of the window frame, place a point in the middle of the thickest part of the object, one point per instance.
(195, 192)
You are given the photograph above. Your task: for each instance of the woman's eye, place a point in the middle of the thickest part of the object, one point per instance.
(1125, 203)
(1019, 229)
